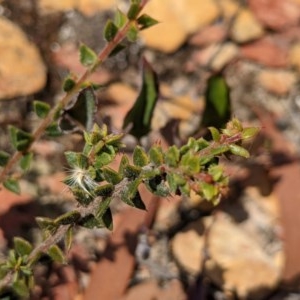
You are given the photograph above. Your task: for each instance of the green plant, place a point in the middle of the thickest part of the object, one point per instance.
(92, 181)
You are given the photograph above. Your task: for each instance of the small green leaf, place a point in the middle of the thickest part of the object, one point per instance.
(68, 84)
(238, 150)
(191, 162)
(215, 133)
(117, 49)
(41, 109)
(90, 221)
(21, 140)
(104, 190)
(110, 30)
(249, 132)
(172, 156)
(131, 196)
(133, 11)
(4, 158)
(111, 176)
(22, 246)
(68, 238)
(175, 180)
(145, 21)
(26, 161)
(216, 171)
(56, 254)
(46, 223)
(103, 159)
(53, 130)
(107, 219)
(132, 33)
(70, 217)
(120, 18)
(132, 172)
(88, 57)
(156, 155)
(123, 163)
(20, 288)
(12, 185)
(209, 191)
(140, 157)
(103, 206)
(77, 160)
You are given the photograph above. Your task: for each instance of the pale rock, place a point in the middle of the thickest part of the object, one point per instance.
(87, 7)
(22, 71)
(238, 263)
(177, 20)
(224, 56)
(216, 56)
(246, 27)
(188, 246)
(195, 14)
(279, 82)
(294, 56)
(229, 8)
(276, 14)
(211, 34)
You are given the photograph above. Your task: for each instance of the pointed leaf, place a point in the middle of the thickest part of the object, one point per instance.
(117, 49)
(120, 18)
(133, 11)
(110, 31)
(68, 238)
(132, 33)
(140, 157)
(141, 113)
(21, 289)
(26, 161)
(132, 172)
(145, 21)
(4, 158)
(111, 176)
(12, 185)
(87, 56)
(41, 109)
(238, 150)
(53, 130)
(249, 132)
(156, 155)
(215, 133)
(68, 84)
(22, 246)
(70, 217)
(172, 156)
(81, 115)
(56, 254)
(107, 219)
(21, 140)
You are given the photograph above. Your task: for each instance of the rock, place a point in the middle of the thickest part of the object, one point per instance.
(174, 28)
(224, 56)
(87, 7)
(149, 290)
(294, 56)
(187, 247)
(229, 8)
(279, 82)
(216, 56)
(245, 27)
(266, 52)
(238, 263)
(22, 69)
(276, 14)
(211, 34)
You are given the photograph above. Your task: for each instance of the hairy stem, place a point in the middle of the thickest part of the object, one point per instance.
(102, 56)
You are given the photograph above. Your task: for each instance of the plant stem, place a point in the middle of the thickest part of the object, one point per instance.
(102, 56)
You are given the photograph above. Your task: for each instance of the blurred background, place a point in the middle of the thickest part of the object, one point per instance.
(247, 247)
